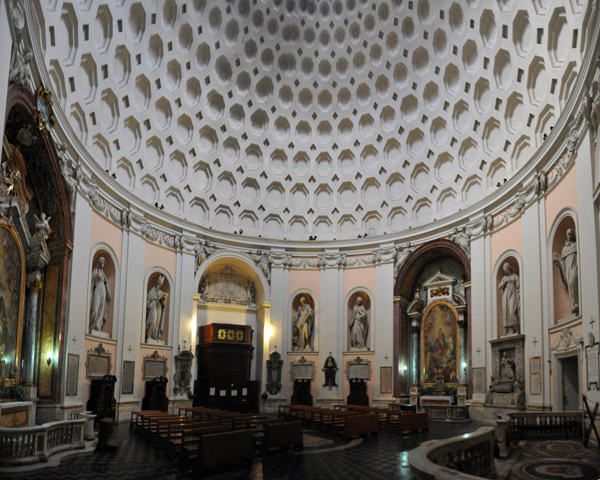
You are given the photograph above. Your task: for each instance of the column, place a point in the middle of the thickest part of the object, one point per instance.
(415, 350)
(33, 287)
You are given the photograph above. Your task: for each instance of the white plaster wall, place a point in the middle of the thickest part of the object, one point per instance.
(5, 52)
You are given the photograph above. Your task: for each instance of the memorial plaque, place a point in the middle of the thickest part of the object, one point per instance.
(359, 368)
(72, 374)
(593, 376)
(479, 380)
(127, 377)
(98, 366)
(154, 366)
(302, 370)
(154, 369)
(535, 375)
(385, 379)
(98, 362)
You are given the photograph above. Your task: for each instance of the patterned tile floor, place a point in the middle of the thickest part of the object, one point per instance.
(556, 460)
(378, 457)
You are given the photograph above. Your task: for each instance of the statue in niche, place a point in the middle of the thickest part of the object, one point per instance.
(303, 326)
(507, 368)
(100, 297)
(359, 325)
(510, 288)
(329, 369)
(567, 265)
(155, 310)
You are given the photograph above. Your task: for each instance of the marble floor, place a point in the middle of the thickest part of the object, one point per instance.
(377, 457)
(384, 456)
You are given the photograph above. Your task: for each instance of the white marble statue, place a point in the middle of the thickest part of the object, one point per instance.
(155, 310)
(263, 260)
(42, 226)
(507, 368)
(510, 288)
(567, 266)
(359, 325)
(100, 297)
(303, 326)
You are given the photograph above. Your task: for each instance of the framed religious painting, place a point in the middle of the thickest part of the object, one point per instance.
(12, 293)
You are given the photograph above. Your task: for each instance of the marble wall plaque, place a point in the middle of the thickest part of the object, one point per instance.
(385, 379)
(72, 375)
(98, 366)
(361, 370)
(479, 380)
(154, 366)
(302, 370)
(127, 378)
(593, 376)
(153, 369)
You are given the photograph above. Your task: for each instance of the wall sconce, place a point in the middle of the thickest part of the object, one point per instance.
(404, 369)
(49, 353)
(464, 366)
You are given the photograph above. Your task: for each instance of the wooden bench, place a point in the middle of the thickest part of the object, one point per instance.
(412, 422)
(361, 424)
(219, 449)
(283, 435)
(187, 451)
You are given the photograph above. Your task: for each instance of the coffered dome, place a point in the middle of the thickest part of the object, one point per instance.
(296, 118)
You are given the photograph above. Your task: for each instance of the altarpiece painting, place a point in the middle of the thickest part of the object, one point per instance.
(11, 300)
(439, 340)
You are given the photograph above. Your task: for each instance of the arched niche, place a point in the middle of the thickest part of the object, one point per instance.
(513, 259)
(303, 322)
(12, 301)
(561, 303)
(111, 270)
(40, 172)
(255, 315)
(157, 309)
(367, 304)
(420, 265)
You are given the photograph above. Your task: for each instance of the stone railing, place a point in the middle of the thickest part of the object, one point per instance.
(19, 446)
(468, 456)
(448, 412)
(538, 426)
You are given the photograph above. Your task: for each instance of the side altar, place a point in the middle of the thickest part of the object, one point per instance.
(438, 334)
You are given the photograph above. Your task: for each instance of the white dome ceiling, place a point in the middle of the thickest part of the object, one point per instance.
(307, 117)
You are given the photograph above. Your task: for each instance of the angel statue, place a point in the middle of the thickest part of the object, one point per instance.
(42, 226)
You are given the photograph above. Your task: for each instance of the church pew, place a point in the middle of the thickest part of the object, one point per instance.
(143, 420)
(361, 424)
(219, 449)
(338, 421)
(283, 435)
(136, 417)
(172, 431)
(412, 422)
(187, 450)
